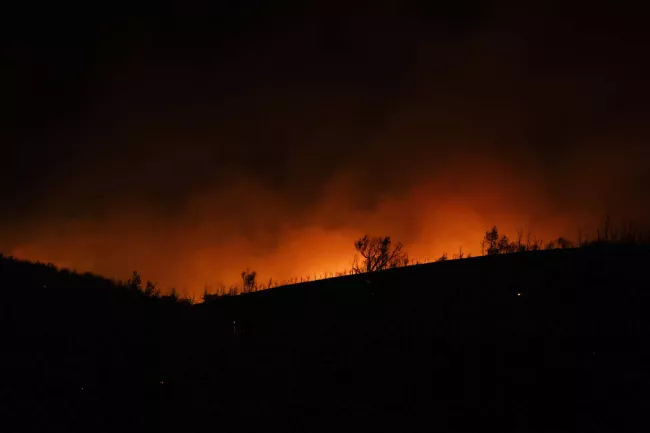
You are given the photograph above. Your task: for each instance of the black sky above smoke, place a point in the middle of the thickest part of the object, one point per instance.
(271, 110)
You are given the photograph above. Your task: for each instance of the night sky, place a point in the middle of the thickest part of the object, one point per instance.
(190, 143)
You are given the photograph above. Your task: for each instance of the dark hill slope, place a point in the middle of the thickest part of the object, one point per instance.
(73, 346)
(541, 341)
(529, 342)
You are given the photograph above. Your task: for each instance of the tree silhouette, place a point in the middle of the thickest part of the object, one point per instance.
(503, 246)
(378, 253)
(135, 282)
(491, 241)
(249, 283)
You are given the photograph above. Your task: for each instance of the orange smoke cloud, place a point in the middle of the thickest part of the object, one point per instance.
(283, 149)
(204, 244)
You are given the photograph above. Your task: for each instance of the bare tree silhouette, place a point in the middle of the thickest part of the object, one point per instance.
(378, 253)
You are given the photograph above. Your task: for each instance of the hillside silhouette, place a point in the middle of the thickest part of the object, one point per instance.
(545, 340)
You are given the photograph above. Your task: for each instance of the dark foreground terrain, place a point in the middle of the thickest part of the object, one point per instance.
(539, 341)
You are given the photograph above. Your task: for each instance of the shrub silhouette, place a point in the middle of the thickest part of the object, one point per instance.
(187, 298)
(152, 290)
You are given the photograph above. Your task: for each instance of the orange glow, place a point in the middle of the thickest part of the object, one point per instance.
(295, 137)
(205, 244)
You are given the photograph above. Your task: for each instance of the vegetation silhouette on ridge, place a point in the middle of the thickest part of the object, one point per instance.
(374, 254)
